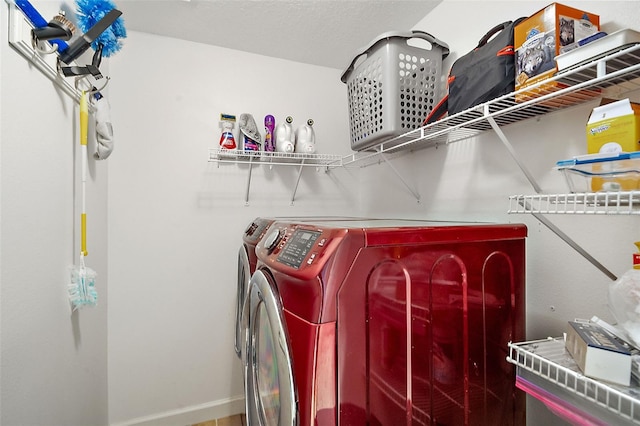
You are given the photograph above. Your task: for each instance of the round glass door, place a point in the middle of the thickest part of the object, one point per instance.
(244, 274)
(267, 370)
(269, 385)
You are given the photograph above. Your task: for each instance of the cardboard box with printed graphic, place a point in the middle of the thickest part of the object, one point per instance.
(614, 126)
(540, 38)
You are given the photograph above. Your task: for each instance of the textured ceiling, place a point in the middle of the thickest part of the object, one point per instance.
(319, 32)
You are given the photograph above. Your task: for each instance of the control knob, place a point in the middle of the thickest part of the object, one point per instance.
(272, 240)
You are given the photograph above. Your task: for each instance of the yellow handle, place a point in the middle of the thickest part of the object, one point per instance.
(84, 131)
(83, 234)
(84, 118)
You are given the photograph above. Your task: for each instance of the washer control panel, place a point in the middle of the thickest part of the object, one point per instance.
(297, 247)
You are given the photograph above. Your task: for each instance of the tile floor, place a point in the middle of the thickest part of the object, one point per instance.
(237, 420)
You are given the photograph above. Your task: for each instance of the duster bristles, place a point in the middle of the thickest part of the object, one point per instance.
(82, 289)
(89, 12)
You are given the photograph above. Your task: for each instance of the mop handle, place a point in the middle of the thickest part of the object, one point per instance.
(84, 119)
(84, 125)
(83, 224)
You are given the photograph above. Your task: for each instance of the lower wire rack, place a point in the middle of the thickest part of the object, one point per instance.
(546, 371)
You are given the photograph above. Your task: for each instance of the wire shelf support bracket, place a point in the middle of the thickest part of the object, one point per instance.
(325, 162)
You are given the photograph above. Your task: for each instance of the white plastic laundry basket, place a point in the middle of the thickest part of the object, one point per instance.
(392, 86)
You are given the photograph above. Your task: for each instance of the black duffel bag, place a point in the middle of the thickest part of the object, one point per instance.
(483, 74)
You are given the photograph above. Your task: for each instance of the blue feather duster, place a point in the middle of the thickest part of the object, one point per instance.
(91, 11)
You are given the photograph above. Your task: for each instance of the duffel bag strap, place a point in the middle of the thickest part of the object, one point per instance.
(493, 31)
(505, 25)
(438, 112)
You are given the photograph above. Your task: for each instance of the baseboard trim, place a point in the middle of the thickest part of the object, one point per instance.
(190, 415)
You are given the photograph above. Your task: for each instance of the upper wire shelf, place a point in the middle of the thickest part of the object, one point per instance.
(221, 155)
(618, 70)
(589, 203)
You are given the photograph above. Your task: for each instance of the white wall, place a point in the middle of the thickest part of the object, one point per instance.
(53, 362)
(176, 220)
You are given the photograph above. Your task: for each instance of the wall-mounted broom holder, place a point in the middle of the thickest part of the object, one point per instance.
(20, 38)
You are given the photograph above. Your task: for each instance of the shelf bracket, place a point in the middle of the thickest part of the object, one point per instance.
(542, 219)
(564, 237)
(415, 193)
(295, 188)
(246, 194)
(512, 151)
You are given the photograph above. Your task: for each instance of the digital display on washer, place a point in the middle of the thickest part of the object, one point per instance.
(298, 247)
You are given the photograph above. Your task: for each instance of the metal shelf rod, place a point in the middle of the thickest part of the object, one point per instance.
(512, 151)
(295, 188)
(415, 193)
(246, 194)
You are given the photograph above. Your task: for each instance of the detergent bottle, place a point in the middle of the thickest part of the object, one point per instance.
(227, 124)
(285, 138)
(269, 127)
(250, 138)
(624, 300)
(306, 138)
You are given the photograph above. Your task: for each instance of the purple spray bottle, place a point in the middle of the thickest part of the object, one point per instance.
(269, 126)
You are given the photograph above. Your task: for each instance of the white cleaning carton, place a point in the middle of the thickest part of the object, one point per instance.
(614, 127)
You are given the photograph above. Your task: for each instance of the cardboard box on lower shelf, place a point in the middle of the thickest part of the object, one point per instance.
(598, 353)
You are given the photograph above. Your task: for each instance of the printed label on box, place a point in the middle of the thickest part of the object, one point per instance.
(540, 38)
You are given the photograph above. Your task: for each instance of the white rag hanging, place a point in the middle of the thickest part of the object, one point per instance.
(104, 128)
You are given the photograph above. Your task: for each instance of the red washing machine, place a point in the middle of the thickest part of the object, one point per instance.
(384, 322)
(247, 260)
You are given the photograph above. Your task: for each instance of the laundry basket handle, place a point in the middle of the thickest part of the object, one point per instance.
(407, 35)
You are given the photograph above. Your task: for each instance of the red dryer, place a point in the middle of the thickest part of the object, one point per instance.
(246, 266)
(385, 323)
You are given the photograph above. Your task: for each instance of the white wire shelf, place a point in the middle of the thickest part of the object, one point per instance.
(589, 203)
(618, 71)
(221, 155)
(254, 158)
(548, 372)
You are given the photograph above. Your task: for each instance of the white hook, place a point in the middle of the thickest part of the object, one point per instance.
(91, 89)
(94, 90)
(77, 81)
(37, 46)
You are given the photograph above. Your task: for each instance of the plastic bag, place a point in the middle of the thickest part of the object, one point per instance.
(624, 302)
